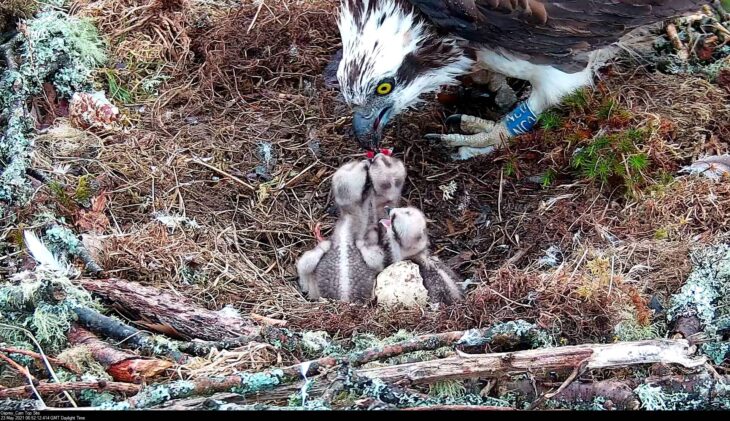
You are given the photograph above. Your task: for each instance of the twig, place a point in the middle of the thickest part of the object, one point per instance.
(579, 369)
(223, 173)
(7, 51)
(38, 356)
(459, 408)
(267, 320)
(616, 355)
(499, 197)
(31, 382)
(54, 388)
(17, 367)
(44, 358)
(114, 329)
(682, 52)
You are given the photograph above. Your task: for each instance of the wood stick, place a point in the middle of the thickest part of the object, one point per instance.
(17, 367)
(183, 315)
(682, 52)
(114, 329)
(497, 365)
(122, 365)
(38, 356)
(458, 408)
(55, 388)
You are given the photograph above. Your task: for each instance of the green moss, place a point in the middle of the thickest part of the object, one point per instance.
(84, 190)
(547, 179)
(453, 389)
(614, 156)
(661, 234)
(577, 100)
(550, 120)
(59, 193)
(629, 329)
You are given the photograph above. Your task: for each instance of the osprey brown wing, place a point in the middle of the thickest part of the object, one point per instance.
(554, 32)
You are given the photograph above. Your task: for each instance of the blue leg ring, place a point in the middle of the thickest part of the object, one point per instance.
(520, 120)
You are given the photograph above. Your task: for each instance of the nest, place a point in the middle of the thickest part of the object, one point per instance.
(215, 187)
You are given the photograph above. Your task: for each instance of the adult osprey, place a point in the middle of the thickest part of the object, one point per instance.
(393, 51)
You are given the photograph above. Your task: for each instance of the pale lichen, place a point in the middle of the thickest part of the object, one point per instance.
(517, 329)
(706, 296)
(255, 382)
(52, 46)
(42, 301)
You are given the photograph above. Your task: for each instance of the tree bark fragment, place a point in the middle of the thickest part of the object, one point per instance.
(616, 355)
(187, 318)
(123, 366)
(56, 388)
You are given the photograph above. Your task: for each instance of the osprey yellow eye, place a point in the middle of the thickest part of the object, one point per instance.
(384, 88)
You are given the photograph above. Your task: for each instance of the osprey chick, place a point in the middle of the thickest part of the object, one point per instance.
(393, 51)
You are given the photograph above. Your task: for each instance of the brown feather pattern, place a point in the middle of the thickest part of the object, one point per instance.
(558, 32)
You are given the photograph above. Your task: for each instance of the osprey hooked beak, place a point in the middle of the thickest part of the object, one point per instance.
(368, 125)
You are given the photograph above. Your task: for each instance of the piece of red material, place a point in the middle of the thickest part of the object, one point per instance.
(384, 151)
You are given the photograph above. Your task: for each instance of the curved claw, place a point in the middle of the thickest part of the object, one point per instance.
(454, 120)
(433, 137)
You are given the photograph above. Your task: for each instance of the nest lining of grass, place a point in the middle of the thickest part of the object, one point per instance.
(230, 84)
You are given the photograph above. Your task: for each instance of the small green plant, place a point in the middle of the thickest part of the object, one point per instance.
(447, 389)
(577, 100)
(116, 90)
(614, 156)
(606, 108)
(661, 234)
(59, 192)
(548, 178)
(84, 189)
(550, 120)
(510, 168)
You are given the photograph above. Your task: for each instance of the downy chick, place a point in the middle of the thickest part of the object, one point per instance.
(405, 237)
(387, 178)
(336, 268)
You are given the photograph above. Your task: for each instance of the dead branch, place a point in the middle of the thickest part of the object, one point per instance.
(181, 314)
(114, 329)
(618, 394)
(121, 365)
(496, 335)
(55, 388)
(17, 367)
(540, 360)
(243, 384)
(38, 356)
(677, 43)
(458, 408)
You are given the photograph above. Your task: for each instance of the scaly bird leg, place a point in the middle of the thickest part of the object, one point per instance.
(486, 135)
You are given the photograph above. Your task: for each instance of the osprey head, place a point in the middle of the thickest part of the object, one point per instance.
(390, 57)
